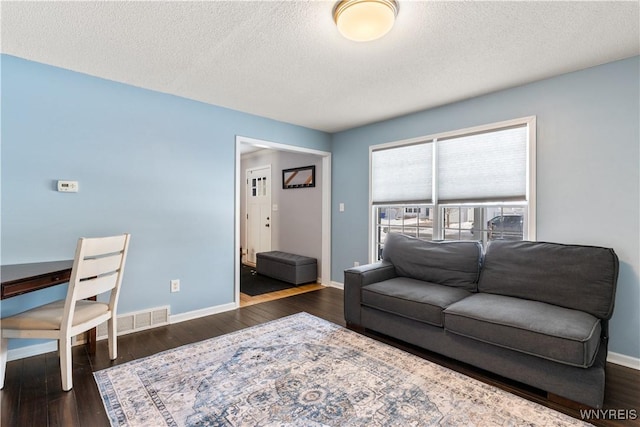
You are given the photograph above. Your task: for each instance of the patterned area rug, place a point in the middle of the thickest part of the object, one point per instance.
(305, 371)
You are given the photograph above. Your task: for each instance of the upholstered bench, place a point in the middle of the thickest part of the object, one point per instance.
(291, 268)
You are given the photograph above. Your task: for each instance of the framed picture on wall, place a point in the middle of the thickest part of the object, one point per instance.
(303, 177)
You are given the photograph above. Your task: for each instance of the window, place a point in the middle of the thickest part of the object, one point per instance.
(414, 221)
(473, 184)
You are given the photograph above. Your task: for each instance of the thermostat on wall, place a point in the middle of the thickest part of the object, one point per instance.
(68, 186)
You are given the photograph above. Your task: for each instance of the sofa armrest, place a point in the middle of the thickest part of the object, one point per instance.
(357, 277)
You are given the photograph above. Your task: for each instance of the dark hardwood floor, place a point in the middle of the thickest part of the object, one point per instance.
(33, 397)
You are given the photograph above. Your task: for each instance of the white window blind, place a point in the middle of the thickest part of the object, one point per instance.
(402, 174)
(488, 166)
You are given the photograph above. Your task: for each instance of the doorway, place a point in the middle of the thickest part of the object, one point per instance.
(244, 143)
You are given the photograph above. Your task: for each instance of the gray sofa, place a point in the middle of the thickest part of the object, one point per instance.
(533, 312)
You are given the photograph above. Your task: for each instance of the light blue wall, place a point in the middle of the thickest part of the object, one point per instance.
(587, 170)
(162, 168)
(158, 166)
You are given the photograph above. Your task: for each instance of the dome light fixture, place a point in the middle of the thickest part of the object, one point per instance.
(365, 20)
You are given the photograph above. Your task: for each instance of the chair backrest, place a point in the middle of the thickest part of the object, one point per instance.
(97, 268)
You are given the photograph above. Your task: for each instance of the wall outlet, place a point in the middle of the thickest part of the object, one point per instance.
(356, 264)
(175, 285)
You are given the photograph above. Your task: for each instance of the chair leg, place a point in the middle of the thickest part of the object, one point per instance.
(112, 338)
(4, 344)
(65, 363)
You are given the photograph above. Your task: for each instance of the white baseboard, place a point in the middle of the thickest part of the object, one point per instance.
(337, 285)
(623, 360)
(195, 314)
(32, 350)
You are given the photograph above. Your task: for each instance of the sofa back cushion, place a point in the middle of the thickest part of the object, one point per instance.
(572, 276)
(449, 263)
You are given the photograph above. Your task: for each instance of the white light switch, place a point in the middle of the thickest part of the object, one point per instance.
(68, 186)
(341, 207)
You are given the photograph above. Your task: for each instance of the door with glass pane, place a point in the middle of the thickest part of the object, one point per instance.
(258, 212)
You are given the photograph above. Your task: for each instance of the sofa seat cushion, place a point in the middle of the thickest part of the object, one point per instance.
(556, 333)
(411, 298)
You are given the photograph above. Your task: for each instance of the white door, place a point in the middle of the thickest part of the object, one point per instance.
(258, 212)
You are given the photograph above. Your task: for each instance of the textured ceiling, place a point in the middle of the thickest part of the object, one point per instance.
(286, 60)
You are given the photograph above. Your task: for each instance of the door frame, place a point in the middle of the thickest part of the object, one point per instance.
(325, 273)
(247, 198)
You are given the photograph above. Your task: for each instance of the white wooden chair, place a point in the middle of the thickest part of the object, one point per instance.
(97, 268)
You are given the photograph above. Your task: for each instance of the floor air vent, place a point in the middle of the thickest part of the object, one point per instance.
(138, 321)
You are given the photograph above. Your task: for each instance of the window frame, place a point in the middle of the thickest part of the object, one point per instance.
(529, 204)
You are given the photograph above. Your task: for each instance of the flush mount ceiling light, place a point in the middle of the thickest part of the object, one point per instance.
(365, 20)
